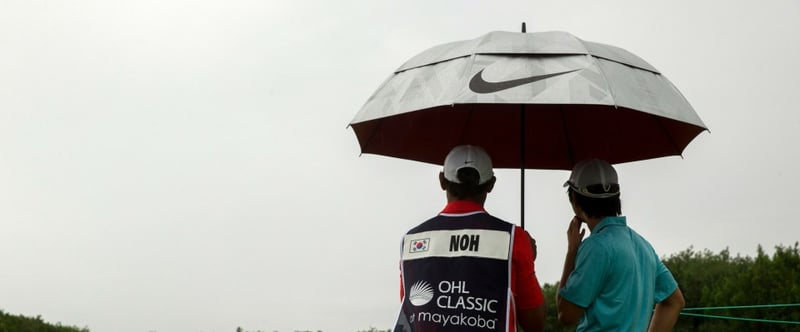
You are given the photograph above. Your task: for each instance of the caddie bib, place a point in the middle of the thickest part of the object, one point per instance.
(457, 275)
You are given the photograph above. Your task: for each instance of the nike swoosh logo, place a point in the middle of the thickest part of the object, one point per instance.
(478, 85)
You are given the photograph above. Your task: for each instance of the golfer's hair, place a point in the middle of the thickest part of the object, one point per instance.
(469, 186)
(596, 207)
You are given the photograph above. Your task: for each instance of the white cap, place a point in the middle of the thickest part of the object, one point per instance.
(468, 156)
(594, 178)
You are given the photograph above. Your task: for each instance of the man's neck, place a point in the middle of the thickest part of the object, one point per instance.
(480, 199)
(462, 206)
(592, 222)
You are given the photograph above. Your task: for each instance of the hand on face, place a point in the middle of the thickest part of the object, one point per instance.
(533, 246)
(575, 234)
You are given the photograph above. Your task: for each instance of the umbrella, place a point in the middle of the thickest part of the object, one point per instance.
(543, 100)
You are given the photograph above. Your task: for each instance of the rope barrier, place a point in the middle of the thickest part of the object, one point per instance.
(745, 307)
(765, 306)
(743, 318)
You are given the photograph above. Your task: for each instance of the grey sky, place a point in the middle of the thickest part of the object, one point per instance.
(185, 165)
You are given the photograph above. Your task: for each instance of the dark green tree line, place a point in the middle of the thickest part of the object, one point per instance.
(19, 323)
(720, 280)
(710, 279)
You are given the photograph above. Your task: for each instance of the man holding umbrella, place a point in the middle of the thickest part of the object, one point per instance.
(465, 270)
(613, 279)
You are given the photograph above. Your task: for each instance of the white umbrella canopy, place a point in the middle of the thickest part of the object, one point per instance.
(544, 100)
(578, 99)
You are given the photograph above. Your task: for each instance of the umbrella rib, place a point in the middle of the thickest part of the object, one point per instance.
(605, 79)
(465, 127)
(669, 137)
(566, 136)
(372, 135)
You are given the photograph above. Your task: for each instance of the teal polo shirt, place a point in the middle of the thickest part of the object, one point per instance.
(618, 279)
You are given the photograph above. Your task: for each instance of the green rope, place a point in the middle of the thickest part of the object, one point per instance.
(742, 318)
(764, 306)
(745, 307)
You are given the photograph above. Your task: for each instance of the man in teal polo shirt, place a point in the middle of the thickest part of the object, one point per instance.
(613, 280)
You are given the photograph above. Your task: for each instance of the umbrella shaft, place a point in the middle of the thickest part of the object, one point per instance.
(522, 165)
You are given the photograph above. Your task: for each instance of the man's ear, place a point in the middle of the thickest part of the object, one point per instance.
(442, 181)
(490, 184)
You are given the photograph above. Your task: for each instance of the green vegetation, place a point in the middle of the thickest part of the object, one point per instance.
(719, 280)
(19, 323)
(552, 323)
(711, 281)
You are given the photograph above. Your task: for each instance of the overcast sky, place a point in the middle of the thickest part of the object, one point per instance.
(186, 165)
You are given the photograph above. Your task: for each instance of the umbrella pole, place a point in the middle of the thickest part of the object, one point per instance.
(522, 165)
(522, 158)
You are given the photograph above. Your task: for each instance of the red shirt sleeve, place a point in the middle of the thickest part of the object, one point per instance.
(400, 267)
(402, 290)
(524, 285)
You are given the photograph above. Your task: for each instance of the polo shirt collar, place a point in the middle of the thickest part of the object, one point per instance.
(459, 207)
(610, 221)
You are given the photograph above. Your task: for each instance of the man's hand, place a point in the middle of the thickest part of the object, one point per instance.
(569, 313)
(574, 235)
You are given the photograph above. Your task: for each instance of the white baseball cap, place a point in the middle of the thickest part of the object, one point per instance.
(468, 156)
(594, 178)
